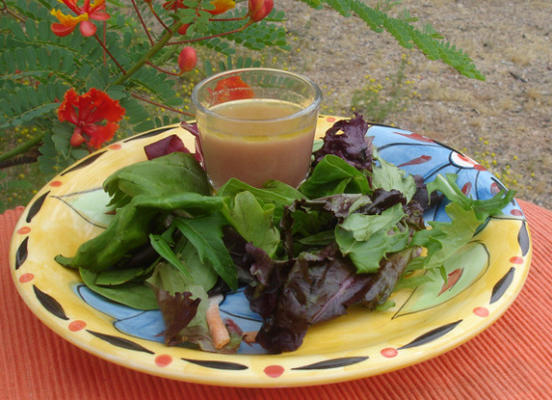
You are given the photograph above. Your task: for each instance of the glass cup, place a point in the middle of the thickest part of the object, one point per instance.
(256, 124)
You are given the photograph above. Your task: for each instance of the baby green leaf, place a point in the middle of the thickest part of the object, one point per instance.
(253, 223)
(333, 175)
(164, 249)
(205, 234)
(135, 295)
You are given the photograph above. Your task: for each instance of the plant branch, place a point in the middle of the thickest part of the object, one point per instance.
(150, 53)
(106, 51)
(6, 10)
(145, 99)
(229, 19)
(139, 14)
(158, 18)
(198, 39)
(162, 70)
(22, 148)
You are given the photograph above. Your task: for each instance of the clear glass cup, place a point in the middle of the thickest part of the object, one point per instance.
(256, 124)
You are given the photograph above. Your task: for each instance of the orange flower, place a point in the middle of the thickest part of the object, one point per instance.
(87, 113)
(89, 11)
(221, 6)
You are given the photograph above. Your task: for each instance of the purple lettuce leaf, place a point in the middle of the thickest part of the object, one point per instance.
(177, 310)
(351, 144)
(317, 287)
(165, 146)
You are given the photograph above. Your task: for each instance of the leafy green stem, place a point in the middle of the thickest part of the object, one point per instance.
(157, 17)
(146, 100)
(199, 39)
(162, 70)
(139, 14)
(106, 51)
(6, 10)
(149, 54)
(22, 148)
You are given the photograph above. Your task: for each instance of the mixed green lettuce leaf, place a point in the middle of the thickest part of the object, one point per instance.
(349, 235)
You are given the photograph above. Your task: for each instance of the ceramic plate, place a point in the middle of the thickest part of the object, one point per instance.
(424, 322)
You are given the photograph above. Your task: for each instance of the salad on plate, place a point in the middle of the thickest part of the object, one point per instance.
(351, 234)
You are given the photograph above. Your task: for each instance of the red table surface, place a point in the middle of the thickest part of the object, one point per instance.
(512, 359)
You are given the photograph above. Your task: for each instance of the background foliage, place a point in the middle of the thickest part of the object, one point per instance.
(37, 68)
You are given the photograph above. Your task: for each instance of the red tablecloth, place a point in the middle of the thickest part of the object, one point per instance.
(510, 360)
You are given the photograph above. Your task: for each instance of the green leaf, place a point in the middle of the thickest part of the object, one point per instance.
(388, 176)
(363, 226)
(157, 180)
(482, 208)
(366, 255)
(333, 175)
(135, 295)
(119, 276)
(205, 234)
(253, 222)
(163, 248)
(169, 278)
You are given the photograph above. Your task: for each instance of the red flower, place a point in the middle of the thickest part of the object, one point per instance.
(88, 11)
(231, 88)
(86, 112)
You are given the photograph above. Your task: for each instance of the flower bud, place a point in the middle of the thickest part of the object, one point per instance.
(77, 139)
(259, 9)
(187, 59)
(183, 28)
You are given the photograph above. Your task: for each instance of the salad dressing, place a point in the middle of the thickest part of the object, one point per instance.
(257, 140)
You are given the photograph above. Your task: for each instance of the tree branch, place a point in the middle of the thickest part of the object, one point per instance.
(142, 22)
(211, 36)
(106, 51)
(146, 100)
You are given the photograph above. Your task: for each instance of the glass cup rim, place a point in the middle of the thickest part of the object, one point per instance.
(312, 107)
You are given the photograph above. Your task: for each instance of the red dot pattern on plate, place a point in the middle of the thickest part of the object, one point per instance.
(494, 188)
(481, 312)
(516, 260)
(55, 183)
(163, 360)
(26, 278)
(115, 146)
(24, 230)
(516, 212)
(76, 325)
(274, 371)
(389, 352)
(479, 167)
(330, 119)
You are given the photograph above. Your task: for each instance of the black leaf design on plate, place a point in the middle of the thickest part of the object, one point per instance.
(431, 335)
(35, 207)
(523, 239)
(152, 133)
(333, 363)
(84, 163)
(120, 342)
(502, 285)
(218, 364)
(21, 253)
(49, 303)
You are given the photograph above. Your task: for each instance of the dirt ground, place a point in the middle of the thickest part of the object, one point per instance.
(504, 122)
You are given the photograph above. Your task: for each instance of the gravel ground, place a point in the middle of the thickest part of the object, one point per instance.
(503, 122)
